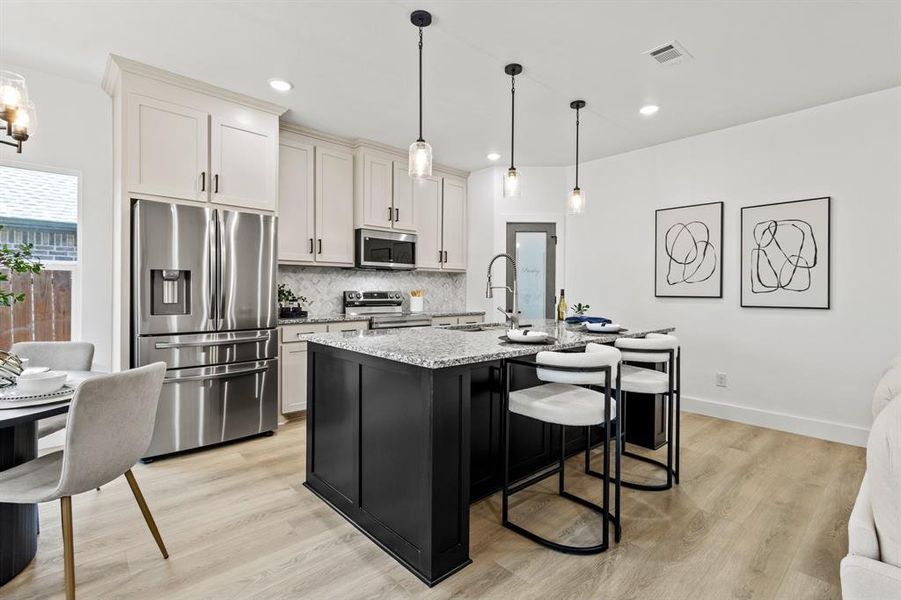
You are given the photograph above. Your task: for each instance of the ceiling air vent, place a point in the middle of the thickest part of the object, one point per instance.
(670, 53)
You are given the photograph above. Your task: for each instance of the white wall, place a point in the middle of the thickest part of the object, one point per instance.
(75, 133)
(808, 371)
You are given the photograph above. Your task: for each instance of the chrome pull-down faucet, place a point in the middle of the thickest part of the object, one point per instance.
(513, 316)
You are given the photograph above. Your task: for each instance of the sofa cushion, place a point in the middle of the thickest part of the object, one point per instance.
(888, 387)
(884, 479)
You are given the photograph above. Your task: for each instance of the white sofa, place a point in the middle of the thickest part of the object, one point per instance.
(872, 568)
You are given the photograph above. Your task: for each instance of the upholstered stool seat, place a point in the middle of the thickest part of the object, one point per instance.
(644, 381)
(561, 404)
(563, 401)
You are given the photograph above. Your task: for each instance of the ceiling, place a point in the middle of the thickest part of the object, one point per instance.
(354, 63)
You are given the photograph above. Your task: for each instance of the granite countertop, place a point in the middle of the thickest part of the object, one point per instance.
(439, 347)
(339, 317)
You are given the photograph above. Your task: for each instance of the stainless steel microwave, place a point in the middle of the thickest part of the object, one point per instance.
(385, 250)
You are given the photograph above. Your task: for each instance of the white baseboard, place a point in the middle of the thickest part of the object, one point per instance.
(826, 430)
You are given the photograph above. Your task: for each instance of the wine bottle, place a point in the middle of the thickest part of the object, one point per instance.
(561, 307)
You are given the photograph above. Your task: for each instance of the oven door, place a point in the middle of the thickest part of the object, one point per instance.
(385, 250)
(209, 405)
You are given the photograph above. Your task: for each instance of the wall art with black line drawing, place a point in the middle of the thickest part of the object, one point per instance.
(688, 255)
(785, 254)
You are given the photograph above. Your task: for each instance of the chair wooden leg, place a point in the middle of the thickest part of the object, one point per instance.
(68, 545)
(139, 497)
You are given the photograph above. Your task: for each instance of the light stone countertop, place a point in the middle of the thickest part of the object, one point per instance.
(440, 347)
(340, 317)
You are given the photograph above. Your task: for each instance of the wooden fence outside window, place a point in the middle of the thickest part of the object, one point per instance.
(46, 314)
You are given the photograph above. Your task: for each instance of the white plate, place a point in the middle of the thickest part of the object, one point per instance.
(41, 383)
(603, 327)
(527, 336)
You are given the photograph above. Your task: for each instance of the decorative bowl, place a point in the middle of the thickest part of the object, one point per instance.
(603, 327)
(527, 336)
(41, 383)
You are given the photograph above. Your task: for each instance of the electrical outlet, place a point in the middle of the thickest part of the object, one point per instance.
(721, 380)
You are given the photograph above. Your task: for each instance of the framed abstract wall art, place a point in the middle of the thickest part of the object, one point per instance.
(688, 253)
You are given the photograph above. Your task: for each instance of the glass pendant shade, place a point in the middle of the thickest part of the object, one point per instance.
(512, 181)
(420, 164)
(25, 122)
(576, 204)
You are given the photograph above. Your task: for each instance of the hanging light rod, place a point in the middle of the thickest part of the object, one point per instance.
(420, 163)
(576, 203)
(511, 179)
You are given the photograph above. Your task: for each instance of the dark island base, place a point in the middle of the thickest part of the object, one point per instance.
(18, 522)
(400, 451)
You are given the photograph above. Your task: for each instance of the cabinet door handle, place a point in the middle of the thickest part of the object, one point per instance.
(396, 215)
(216, 183)
(311, 245)
(203, 181)
(445, 256)
(389, 214)
(440, 255)
(320, 245)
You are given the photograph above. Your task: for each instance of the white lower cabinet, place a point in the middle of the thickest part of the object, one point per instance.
(293, 360)
(465, 320)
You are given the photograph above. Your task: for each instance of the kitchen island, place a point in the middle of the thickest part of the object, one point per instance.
(403, 431)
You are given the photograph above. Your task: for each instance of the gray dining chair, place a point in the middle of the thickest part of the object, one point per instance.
(59, 356)
(110, 425)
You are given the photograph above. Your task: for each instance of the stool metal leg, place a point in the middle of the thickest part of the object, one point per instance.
(618, 531)
(678, 411)
(562, 462)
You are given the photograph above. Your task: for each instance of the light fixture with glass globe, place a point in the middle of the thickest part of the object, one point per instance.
(16, 110)
(420, 164)
(576, 203)
(512, 178)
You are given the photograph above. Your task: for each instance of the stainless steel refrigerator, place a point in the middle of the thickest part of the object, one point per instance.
(204, 301)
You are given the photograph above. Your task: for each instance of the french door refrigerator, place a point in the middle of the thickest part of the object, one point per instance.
(204, 302)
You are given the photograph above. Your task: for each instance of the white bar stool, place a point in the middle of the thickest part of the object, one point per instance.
(563, 401)
(654, 349)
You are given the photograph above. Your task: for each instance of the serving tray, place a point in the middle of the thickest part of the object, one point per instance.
(12, 397)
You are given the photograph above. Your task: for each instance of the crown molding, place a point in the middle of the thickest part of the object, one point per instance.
(117, 65)
(356, 143)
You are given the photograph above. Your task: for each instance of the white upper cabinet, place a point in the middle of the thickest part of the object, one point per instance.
(168, 152)
(334, 206)
(243, 162)
(404, 205)
(375, 205)
(296, 202)
(454, 219)
(427, 198)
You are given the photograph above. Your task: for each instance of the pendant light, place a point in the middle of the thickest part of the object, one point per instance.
(420, 164)
(512, 178)
(576, 204)
(16, 110)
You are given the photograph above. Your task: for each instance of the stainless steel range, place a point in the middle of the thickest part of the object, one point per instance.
(385, 310)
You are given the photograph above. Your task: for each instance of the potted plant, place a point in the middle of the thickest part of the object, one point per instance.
(16, 259)
(580, 309)
(290, 304)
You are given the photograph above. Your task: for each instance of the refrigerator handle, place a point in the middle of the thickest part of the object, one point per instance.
(211, 269)
(220, 273)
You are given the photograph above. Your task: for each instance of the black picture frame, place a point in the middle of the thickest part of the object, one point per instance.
(746, 250)
(720, 251)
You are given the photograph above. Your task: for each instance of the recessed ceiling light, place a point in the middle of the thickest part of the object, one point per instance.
(280, 85)
(649, 109)
(493, 156)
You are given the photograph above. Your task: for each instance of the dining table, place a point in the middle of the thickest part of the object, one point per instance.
(19, 444)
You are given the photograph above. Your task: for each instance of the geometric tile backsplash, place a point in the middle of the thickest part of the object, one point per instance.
(444, 292)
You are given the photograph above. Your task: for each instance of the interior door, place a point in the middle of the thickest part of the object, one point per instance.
(534, 246)
(168, 149)
(247, 270)
(243, 164)
(296, 202)
(427, 198)
(377, 174)
(454, 219)
(404, 206)
(334, 206)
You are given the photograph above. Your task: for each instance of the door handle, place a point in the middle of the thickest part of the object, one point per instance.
(440, 257)
(202, 343)
(203, 181)
(396, 215)
(311, 245)
(216, 183)
(389, 214)
(320, 245)
(445, 256)
(215, 376)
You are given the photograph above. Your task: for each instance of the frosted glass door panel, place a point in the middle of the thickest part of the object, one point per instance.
(531, 273)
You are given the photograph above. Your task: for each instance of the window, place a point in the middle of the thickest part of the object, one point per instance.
(40, 207)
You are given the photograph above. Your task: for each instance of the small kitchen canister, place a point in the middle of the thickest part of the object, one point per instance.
(417, 298)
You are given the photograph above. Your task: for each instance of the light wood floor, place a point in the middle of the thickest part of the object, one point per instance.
(759, 514)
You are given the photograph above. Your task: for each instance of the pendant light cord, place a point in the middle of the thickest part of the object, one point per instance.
(512, 116)
(577, 148)
(420, 86)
